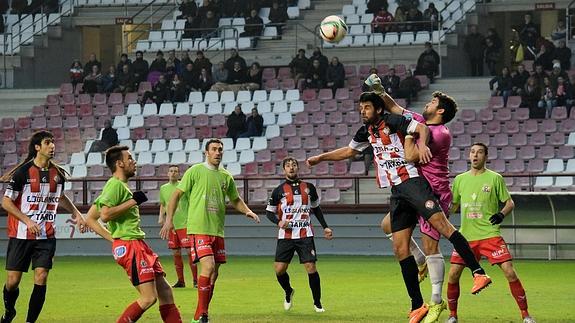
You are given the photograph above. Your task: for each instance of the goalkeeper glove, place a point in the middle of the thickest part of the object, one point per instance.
(496, 218)
(374, 83)
(140, 197)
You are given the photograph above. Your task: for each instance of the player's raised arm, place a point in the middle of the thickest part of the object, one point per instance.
(241, 206)
(334, 155)
(92, 218)
(171, 209)
(70, 207)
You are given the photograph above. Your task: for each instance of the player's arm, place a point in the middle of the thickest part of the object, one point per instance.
(13, 210)
(161, 216)
(503, 196)
(170, 210)
(109, 213)
(423, 150)
(327, 232)
(411, 151)
(390, 105)
(241, 206)
(92, 221)
(70, 207)
(373, 82)
(334, 155)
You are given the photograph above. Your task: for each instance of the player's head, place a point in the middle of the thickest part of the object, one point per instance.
(371, 107)
(119, 158)
(214, 152)
(41, 144)
(290, 167)
(478, 155)
(442, 107)
(173, 173)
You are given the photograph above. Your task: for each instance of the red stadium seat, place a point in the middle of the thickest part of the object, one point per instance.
(290, 130)
(513, 102)
(276, 143)
(38, 123)
(22, 134)
(530, 126)
(353, 82)
(497, 165)
(364, 71)
(400, 69)
(352, 117)
(335, 118)
(548, 126)
(329, 106)
(511, 127)
(508, 153)
(535, 166)
(339, 168)
(495, 102)
(546, 152)
(310, 143)
(58, 134)
(322, 130)
(301, 118)
(462, 141)
(269, 73)
(72, 134)
(344, 183)
(482, 137)
(306, 130)
(526, 152)
(269, 168)
(185, 121)
(474, 127)
(52, 99)
(143, 87)
(321, 169)
(117, 110)
(69, 110)
(169, 121)
(503, 114)
(331, 195)
(115, 98)
(318, 117)
(556, 139)
(454, 153)
(567, 126)
(280, 154)
(357, 168)
(53, 111)
(467, 115)
(518, 139)
(204, 132)
(293, 143)
(263, 156)
(350, 71)
(565, 152)
(99, 98)
(71, 122)
(55, 122)
(84, 99)
(309, 95)
(271, 84)
(457, 128)
(90, 133)
(9, 147)
(516, 166)
(500, 140)
(325, 94)
(218, 120)
(492, 127)
(147, 171)
(38, 111)
(521, 114)
(131, 98)
(78, 88)
(251, 169)
(287, 84)
(152, 121)
(258, 196)
(341, 94)
(188, 133)
(8, 123)
(537, 139)
(158, 133)
(283, 73)
(458, 167)
(340, 130)
(138, 133)
(66, 88)
(312, 106)
(201, 120)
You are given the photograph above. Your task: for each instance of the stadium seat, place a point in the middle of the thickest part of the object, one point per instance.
(260, 96)
(565, 152)
(246, 156)
(161, 158)
(175, 145)
(518, 139)
(94, 159)
(142, 145)
(192, 145)
(556, 139)
(272, 131)
(357, 168)
(158, 145)
(145, 158)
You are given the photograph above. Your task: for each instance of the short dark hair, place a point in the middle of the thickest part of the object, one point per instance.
(113, 154)
(448, 105)
(375, 99)
(480, 144)
(213, 141)
(139, 52)
(288, 159)
(174, 165)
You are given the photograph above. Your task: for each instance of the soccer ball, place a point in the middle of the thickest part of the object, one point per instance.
(332, 29)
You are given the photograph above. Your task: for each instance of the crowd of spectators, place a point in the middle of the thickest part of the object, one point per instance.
(317, 72)
(407, 16)
(241, 127)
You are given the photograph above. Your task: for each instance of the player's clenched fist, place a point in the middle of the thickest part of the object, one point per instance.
(312, 161)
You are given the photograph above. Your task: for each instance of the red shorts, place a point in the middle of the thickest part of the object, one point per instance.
(204, 245)
(178, 239)
(494, 249)
(138, 259)
(425, 227)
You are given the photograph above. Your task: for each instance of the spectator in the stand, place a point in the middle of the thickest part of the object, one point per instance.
(278, 17)
(254, 27)
(382, 21)
(191, 24)
(559, 33)
(531, 96)
(236, 78)
(185, 59)
(492, 34)
(428, 63)
(390, 82)
(408, 4)
(528, 34)
(140, 68)
(374, 5)
(250, 5)
(109, 138)
(124, 60)
(414, 18)
(126, 82)
(235, 57)
(76, 73)
(431, 17)
(475, 47)
(177, 63)
(236, 123)
(399, 18)
(335, 75)
(209, 25)
(158, 64)
(233, 8)
(254, 125)
(548, 97)
(563, 54)
(178, 90)
(323, 62)
(206, 6)
(571, 102)
(189, 78)
(204, 81)
(492, 56)
(408, 87)
(91, 62)
(202, 62)
(254, 77)
(170, 70)
(299, 65)
(545, 57)
(19, 7)
(160, 92)
(519, 79)
(109, 80)
(220, 73)
(51, 6)
(564, 92)
(189, 8)
(556, 73)
(504, 85)
(93, 81)
(315, 78)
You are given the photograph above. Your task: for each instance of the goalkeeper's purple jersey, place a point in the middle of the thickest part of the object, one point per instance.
(437, 170)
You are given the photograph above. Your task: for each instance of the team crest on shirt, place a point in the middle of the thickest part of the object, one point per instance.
(386, 131)
(224, 186)
(143, 263)
(429, 204)
(486, 189)
(120, 251)
(200, 241)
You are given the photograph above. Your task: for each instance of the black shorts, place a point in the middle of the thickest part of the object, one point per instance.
(304, 247)
(21, 252)
(409, 199)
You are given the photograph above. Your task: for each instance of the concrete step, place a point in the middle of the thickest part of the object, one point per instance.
(19, 102)
(469, 93)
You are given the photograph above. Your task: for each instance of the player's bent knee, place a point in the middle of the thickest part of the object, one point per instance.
(147, 301)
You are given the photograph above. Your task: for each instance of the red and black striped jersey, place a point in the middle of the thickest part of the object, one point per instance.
(387, 139)
(292, 201)
(36, 193)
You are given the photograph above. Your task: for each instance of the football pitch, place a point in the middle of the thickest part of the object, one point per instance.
(354, 289)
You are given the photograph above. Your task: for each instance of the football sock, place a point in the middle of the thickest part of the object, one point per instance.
(10, 297)
(170, 313)
(179, 263)
(462, 247)
(436, 268)
(452, 297)
(314, 284)
(204, 292)
(414, 249)
(131, 314)
(37, 299)
(409, 271)
(194, 267)
(519, 294)
(284, 282)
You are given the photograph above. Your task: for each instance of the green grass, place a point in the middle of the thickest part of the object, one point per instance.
(358, 289)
